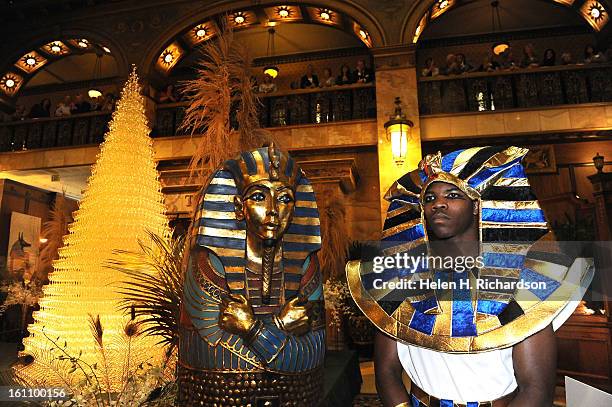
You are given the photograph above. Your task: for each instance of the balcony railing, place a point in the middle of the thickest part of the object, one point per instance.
(302, 106)
(87, 128)
(524, 88)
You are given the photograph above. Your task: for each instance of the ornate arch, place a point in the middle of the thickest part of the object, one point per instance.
(423, 12)
(23, 64)
(182, 37)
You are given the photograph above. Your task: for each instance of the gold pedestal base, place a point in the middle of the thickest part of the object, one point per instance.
(249, 389)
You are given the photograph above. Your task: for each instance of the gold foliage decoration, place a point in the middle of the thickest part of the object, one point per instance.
(121, 202)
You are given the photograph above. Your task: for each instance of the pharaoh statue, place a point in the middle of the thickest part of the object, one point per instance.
(251, 330)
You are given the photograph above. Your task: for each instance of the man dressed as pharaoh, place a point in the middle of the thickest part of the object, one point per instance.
(251, 330)
(470, 315)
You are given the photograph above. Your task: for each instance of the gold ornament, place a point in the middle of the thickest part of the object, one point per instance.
(122, 201)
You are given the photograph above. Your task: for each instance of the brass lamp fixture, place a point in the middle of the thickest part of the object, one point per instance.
(94, 92)
(398, 130)
(500, 46)
(598, 160)
(271, 70)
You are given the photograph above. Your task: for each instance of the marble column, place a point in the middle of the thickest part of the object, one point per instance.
(396, 75)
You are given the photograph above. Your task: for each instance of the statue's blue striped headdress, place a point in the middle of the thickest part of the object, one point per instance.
(216, 227)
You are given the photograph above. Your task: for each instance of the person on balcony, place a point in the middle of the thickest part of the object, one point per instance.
(507, 61)
(42, 109)
(592, 55)
(310, 79)
(567, 59)
(550, 58)
(64, 107)
(530, 59)
(451, 67)
(96, 103)
(362, 74)
(20, 113)
(430, 68)
(168, 95)
(81, 105)
(488, 64)
(463, 65)
(268, 86)
(328, 79)
(110, 101)
(345, 77)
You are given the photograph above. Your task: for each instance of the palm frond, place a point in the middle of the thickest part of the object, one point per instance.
(54, 231)
(152, 289)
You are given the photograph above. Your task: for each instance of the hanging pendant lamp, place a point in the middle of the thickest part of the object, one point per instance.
(271, 70)
(498, 47)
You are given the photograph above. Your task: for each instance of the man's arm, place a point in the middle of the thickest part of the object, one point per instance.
(388, 371)
(535, 366)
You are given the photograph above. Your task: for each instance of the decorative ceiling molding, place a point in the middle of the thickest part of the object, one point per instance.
(257, 15)
(29, 64)
(440, 7)
(594, 12)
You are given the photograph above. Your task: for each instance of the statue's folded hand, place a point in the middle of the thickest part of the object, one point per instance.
(295, 317)
(236, 315)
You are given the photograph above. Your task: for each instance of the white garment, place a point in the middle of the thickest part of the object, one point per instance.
(474, 377)
(62, 110)
(459, 377)
(267, 88)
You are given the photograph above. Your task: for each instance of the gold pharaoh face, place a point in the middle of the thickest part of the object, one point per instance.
(267, 207)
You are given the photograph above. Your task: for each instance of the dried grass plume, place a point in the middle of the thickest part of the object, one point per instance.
(335, 241)
(222, 87)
